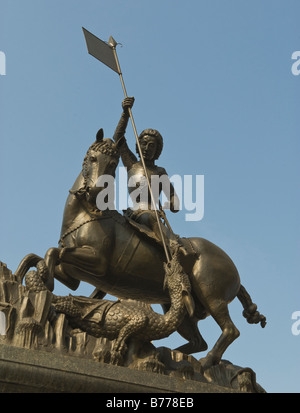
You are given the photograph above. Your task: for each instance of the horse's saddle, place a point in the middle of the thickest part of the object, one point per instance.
(144, 230)
(148, 233)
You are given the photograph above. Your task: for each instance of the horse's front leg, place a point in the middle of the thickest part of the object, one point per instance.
(50, 259)
(81, 264)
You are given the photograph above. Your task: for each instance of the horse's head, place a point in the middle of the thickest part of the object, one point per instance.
(102, 158)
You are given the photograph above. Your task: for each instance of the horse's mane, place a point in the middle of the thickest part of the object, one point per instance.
(105, 146)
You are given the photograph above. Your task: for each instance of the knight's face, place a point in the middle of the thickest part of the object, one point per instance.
(149, 147)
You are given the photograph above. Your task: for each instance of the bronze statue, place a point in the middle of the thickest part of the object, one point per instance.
(121, 320)
(151, 143)
(134, 256)
(104, 249)
(46, 327)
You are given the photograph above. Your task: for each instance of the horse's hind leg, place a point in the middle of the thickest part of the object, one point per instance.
(190, 332)
(219, 311)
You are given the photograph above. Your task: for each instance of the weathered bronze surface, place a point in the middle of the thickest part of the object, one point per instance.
(134, 256)
(105, 250)
(151, 144)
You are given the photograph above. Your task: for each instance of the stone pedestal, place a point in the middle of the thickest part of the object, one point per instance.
(30, 371)
(41, 352)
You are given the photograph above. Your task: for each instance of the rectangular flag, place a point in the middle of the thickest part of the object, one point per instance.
(100, 50)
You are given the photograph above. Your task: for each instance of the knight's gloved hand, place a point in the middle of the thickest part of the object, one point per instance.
(127, 103)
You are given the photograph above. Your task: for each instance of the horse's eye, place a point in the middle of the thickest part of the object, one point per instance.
(93, 158)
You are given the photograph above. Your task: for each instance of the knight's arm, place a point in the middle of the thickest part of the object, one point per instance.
(173, 201)
(128, 157)
(122, 125)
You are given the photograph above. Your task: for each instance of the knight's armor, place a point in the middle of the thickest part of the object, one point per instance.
(138, 187)
(142, 210)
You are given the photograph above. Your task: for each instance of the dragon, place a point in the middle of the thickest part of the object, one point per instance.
(123, 319)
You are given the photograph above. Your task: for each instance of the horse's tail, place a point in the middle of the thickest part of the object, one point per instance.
(250, 309)
(27, 262)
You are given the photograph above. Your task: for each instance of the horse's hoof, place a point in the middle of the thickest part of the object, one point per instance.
(116, 358)
(193, 346)
(103, 356)
(207, 362)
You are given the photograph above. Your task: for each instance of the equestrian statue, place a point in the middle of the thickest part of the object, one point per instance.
(123, 254)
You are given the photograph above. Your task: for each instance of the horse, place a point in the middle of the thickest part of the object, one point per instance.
(102, 248)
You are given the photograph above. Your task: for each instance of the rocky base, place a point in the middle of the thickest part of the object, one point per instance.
(34, 339)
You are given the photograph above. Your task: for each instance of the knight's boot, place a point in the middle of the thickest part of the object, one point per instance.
(186, 251)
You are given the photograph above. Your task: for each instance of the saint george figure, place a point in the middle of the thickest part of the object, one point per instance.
(151, 143)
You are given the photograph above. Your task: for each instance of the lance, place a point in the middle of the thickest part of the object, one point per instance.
(107, 54)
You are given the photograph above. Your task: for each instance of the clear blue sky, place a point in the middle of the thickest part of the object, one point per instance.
(214, 77)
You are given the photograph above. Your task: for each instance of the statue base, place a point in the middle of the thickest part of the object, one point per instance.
(40, 352)
(30, 371)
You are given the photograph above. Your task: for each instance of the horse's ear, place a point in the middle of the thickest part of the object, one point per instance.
(99, 136)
